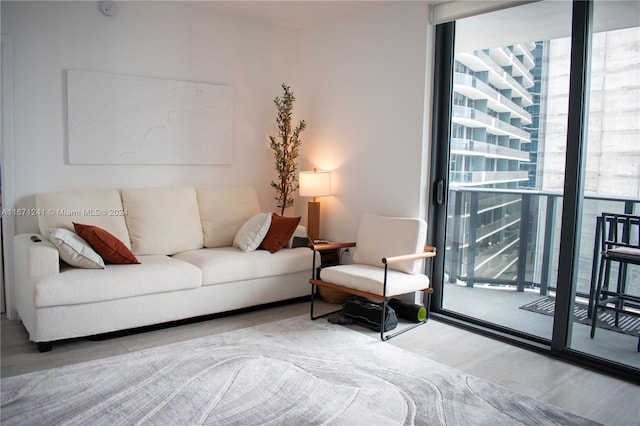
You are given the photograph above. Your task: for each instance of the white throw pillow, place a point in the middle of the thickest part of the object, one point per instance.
(74, 250)
(252, 232)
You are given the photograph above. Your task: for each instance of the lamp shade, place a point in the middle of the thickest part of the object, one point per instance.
(315, 184)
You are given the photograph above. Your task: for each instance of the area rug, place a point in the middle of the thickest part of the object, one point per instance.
(628, 324)
(290, 372)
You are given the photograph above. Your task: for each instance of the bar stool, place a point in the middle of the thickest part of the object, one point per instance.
(620, 242)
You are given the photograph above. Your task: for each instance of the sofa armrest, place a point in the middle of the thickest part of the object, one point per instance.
(34, 259)
(300, 232)
(31, 259)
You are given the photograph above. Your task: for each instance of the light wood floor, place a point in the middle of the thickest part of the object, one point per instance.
(590, 394)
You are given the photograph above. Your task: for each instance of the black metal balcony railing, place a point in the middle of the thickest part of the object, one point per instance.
(520, 249)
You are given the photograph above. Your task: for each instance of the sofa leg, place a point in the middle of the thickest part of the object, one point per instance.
(44, 346)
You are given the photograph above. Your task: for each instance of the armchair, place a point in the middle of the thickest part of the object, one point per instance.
(388, 261)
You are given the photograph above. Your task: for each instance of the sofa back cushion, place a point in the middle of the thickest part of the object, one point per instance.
(102, 208)
(162, 220)
(380, 236)
(223, 211)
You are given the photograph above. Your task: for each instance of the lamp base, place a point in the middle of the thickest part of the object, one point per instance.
(313, 220)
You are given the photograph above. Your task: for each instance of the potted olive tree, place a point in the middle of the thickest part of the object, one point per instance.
(285, 147)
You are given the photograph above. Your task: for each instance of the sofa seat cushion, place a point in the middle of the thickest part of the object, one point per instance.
(154, 274)
(228, 264)
(371, 279)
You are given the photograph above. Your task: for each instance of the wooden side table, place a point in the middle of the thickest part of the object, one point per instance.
(330, 256)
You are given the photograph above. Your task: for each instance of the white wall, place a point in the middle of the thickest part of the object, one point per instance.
(360, 85)
(153, 39)
(362, 90)
(171, 40)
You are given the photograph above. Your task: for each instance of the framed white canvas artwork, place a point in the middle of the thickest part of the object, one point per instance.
(120, 119)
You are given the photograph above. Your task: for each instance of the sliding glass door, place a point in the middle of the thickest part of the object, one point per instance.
(509, 173)
(612, 175)
(503, 211)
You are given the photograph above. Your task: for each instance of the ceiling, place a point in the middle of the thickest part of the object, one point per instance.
(294, 14)
(523, 23)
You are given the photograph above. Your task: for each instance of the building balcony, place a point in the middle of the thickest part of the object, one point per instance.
(490, 229)
(536, 216)
(506, 58)
(493, 201)
(480, 61)
(474, 88)
(490, 201)
(499, 260)
(487, 178)
(491, 260)
(471, 117)
(521, 265)
(482, 149)
(501, 305)
(525, 50)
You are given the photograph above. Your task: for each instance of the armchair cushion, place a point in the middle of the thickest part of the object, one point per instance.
(380, 237)
(630, 254)
(371, 279)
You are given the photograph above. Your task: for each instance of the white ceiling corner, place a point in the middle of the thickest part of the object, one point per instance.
(295, 14)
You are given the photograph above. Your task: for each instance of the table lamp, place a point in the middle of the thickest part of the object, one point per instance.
(314, 184)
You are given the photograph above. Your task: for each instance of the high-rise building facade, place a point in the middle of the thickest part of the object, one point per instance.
(509, 133)
(612, 163)
(491, 136)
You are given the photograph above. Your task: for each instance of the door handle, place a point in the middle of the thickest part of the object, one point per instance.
(440, 192)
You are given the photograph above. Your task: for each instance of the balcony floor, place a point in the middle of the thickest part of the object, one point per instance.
(502, 307)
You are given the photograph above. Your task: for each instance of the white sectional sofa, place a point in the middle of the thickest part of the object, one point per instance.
(189, 246)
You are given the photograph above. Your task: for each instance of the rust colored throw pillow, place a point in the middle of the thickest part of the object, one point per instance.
(280, 232)
(106, 245)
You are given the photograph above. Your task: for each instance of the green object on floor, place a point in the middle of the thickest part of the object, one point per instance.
(409, 311)
(422, 314)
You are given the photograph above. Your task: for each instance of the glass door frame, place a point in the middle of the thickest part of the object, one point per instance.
(575, 160)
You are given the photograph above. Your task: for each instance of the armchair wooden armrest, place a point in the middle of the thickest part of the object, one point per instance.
(331, 246)
(429, 251)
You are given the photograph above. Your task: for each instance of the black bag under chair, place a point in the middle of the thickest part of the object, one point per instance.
(368, 314)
